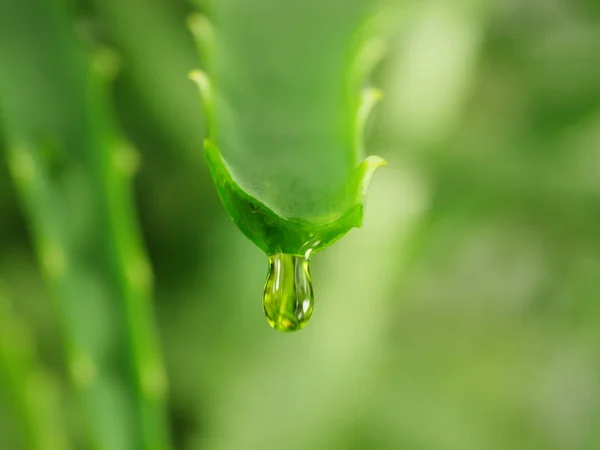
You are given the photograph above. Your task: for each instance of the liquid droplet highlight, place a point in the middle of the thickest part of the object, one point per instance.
(288, 299)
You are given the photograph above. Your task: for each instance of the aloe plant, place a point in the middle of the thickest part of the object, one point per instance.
(292, 172)
(72, 170)
(33, 391)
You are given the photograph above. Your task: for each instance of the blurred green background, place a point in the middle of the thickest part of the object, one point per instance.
(465, 315)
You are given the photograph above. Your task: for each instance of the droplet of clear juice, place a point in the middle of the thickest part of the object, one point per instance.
(288, 299)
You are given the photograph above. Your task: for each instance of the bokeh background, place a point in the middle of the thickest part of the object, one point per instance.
(464, 315)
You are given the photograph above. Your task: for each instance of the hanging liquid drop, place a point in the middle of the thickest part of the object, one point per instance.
(288, 299)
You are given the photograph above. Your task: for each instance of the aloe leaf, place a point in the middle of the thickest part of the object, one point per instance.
(286, 104)
(72, 171)
(32, 389)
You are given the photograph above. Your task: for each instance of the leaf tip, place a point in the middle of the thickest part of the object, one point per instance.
(197, 76)
(202, 83)
(375, 162)
(201, 28)
(376, 94)
(106, 63)
(364, 174)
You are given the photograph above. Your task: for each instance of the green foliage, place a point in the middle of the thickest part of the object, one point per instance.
(33, 391)
(299, 185)
(72, 172)
(463, 316)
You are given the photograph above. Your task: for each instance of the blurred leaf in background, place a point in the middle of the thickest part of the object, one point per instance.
(464, 315)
